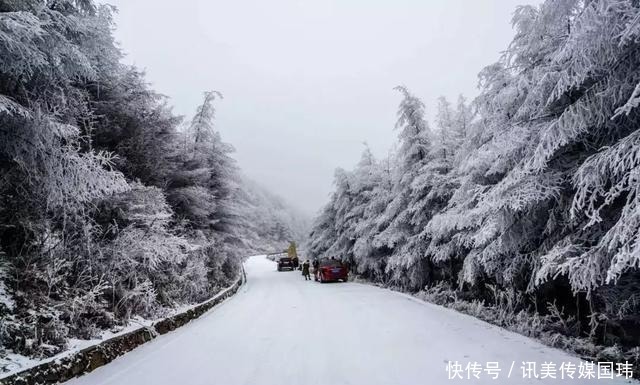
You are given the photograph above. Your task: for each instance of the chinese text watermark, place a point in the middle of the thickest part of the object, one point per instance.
(534, 370)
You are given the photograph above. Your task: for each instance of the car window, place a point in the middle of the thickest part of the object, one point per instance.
(330, 263)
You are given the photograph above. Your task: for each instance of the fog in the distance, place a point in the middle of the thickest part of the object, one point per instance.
(305, 83)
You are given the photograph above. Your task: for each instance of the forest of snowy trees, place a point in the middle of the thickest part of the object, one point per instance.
(523, 201)
(111, 206)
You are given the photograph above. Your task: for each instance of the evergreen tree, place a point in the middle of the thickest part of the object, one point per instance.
(529, 195)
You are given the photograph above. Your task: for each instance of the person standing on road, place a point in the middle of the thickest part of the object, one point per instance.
(316, 267)
(305, 270)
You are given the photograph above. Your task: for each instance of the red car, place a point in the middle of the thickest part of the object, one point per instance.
(332, 270)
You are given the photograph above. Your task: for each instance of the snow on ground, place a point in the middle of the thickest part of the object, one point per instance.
(280, 329)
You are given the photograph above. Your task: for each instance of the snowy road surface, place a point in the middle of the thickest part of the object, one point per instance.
(280, 329)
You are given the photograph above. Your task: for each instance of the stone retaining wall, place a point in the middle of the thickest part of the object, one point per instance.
(88, 359)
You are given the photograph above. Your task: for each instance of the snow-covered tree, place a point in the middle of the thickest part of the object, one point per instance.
(529, 190)
(412, 155)
(105, 214)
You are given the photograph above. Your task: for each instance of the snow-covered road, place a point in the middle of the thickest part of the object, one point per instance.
(280, 329)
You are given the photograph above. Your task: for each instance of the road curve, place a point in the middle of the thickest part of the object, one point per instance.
(280, 329)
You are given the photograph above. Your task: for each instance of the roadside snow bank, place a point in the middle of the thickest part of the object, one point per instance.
(86, 355)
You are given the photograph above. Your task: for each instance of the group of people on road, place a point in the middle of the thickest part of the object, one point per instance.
(306, 269)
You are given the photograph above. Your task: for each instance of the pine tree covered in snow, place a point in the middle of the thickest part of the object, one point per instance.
(108, 209)
(530, 192)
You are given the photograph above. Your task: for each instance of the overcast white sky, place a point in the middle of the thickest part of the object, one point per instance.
(306, 82)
